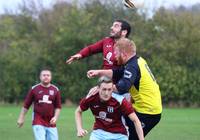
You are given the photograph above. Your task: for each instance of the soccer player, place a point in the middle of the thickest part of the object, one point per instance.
(108, 109)
(119, 29)
(136, 78)
(46, 108)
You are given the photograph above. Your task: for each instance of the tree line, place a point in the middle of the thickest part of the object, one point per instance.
(38, 38)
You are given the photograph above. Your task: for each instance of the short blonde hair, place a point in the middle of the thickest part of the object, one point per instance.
(126, 45)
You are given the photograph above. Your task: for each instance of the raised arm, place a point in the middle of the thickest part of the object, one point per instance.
(87, 51)
(73, 57)
(95, 73)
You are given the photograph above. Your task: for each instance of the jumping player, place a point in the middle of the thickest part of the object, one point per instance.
(119, 29)
(136, 78)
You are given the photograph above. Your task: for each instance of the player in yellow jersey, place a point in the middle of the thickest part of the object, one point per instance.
(136, 78)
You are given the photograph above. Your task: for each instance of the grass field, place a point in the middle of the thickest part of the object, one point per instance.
(176, 124)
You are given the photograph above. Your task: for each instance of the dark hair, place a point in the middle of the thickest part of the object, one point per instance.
(125, 26)
(45, 69)
(104, 79)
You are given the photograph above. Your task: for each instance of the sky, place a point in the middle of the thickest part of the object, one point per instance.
(12, 5)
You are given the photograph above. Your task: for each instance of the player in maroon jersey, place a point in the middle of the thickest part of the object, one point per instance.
(119, 29)
(46, 108)
(108, 109)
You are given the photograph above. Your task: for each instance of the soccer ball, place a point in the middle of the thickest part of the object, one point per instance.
(129, 3)
(133, 4)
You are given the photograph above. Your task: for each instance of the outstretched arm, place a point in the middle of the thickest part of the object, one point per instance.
(78, 118)
(73, 57)
(21, 118)
(87, 51)
(95, 73)
(138, 125)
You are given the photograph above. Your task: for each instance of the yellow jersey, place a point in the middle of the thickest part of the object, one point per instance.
(136, 78)
(147, 99)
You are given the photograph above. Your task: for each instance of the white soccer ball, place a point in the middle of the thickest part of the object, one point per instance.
(133, 4)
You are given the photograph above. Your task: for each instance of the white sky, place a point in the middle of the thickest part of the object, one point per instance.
(170, 3)
(13, 4)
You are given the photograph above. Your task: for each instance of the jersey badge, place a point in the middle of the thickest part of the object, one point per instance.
(51, 92)
(110, 109)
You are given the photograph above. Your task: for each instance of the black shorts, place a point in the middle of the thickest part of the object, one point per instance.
(148, 122)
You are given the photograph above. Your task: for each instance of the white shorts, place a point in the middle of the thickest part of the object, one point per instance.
(100, 134)
(45, 133)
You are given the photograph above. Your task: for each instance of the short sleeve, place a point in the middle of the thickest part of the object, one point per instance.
(126, 107)
(84, 104)
(58, 100)
(29, 99)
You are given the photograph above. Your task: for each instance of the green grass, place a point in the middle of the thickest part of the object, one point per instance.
(176, 124)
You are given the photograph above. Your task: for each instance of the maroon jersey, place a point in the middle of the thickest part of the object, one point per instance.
(105, 46)
(108, 115)
(45, 100)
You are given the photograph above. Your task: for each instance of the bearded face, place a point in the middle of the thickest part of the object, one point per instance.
(118, 56)
(45, 77)
(119, 60)
(115, 35)
(116, 30)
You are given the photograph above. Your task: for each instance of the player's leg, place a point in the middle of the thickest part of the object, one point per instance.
(39, 132)
(51, 133)
(148, 122)
(131, 129)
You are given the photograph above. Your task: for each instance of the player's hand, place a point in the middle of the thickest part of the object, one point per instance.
(93, 91)
(20, 122)
(81, 133)
(53, 120)
(92, 73)
(73, 57)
